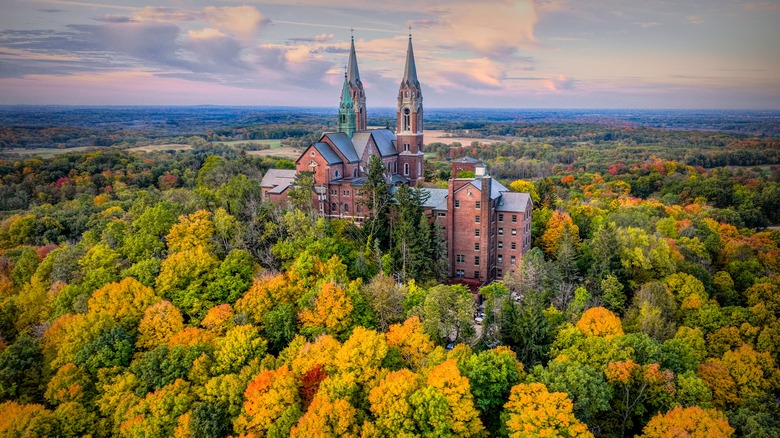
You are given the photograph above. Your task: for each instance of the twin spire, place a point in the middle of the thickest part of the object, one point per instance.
(353, 97)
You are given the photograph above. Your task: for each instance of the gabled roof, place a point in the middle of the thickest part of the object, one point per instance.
(277, 177)
(360, 141)
(325, 150)
(343, 144)
(384, 139)
(467, 160)
(437, 199)
(496, 188)
(513, 201)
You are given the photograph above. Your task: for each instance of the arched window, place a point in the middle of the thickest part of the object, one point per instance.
(406, 147)
(395, 167)
(354, 173)
(337, 174)
(346, 207)
(406, 169)
(332, 207)
(407, 120)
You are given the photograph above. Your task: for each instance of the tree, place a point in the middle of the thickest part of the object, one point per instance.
(638, 388)
(192, 231)
(598, 321)
(326, 417)
(25, 420)
(413, 344)
(240, 345)
(113, 347)
(691, 422)
(21, 370)
(612, 294)
(386, 299)
(184, 275)
(125, 301)
(492, 374)
(362, 354)
(302, 191)
(585, 386)
(447, 314)
(272, 405)
(534, 411)
(391, 405)
(330, 312)
(159, 323)
(377, 199)
(447, 379)
(559, 225)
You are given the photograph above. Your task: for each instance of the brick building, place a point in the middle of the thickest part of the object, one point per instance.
(487, 227)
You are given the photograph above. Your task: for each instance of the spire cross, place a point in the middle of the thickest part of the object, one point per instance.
(410, 32)
(352, 33)
(345, 71)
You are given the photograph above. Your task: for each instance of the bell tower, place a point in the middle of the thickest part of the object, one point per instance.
(346, 110)
(409, 122)
(356, 89)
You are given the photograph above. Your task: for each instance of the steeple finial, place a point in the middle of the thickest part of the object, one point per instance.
(353, 74)
(410, 71)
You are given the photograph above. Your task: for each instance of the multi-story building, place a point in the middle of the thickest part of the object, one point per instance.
(487, 227)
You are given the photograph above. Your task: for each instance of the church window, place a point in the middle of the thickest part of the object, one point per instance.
(406, 94)
(406, 147)
(354, 173)
(407, 120)
(395, 167)
(406, 169)
(312, 153)
(346, 207)
(333, 207)
(337, 174)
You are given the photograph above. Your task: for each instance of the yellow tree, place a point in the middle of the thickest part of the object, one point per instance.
(599, 321)
(534, 411)
(219, 319)
(124, 301)
(327, 418)
(390, 403)
(559, 226)
(272, 404)
(320, 352)
(237, 348)
(330, 312)
(691, 422)
(159, 323)
(362, 354)
(447, 380)
(413, 343)
(191, 231)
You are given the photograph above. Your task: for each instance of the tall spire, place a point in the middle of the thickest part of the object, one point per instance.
(353, 74)
(346, 110)
(410, 71)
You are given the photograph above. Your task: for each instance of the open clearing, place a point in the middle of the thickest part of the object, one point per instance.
(274, 143)
(161, 147)
(46, 152)
(288, 152)
(445, 137)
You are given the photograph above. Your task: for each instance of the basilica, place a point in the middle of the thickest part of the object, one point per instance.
(487, 228)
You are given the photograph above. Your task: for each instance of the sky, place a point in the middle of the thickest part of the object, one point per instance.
(710, 54)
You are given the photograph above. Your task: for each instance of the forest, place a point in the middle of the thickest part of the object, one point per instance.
(154, 294)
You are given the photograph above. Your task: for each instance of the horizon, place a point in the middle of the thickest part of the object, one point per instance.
(498, 54)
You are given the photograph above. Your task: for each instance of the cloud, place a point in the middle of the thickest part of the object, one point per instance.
(560, 83)
(113, 18)
(647, 24)
(165, 14)
(694, 19)
(759, 6)
(241, 21)
(205, 34)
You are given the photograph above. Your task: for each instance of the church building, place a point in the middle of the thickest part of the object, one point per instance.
(487, 227)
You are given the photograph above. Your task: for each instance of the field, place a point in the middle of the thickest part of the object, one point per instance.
(45, 152)
(162, 147)
(445, 137)
(274, 143)
(281, 152)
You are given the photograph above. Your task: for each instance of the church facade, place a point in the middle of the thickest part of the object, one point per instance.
(487, 227)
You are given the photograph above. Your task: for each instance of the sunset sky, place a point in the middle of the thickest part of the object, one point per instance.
(491, 53)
